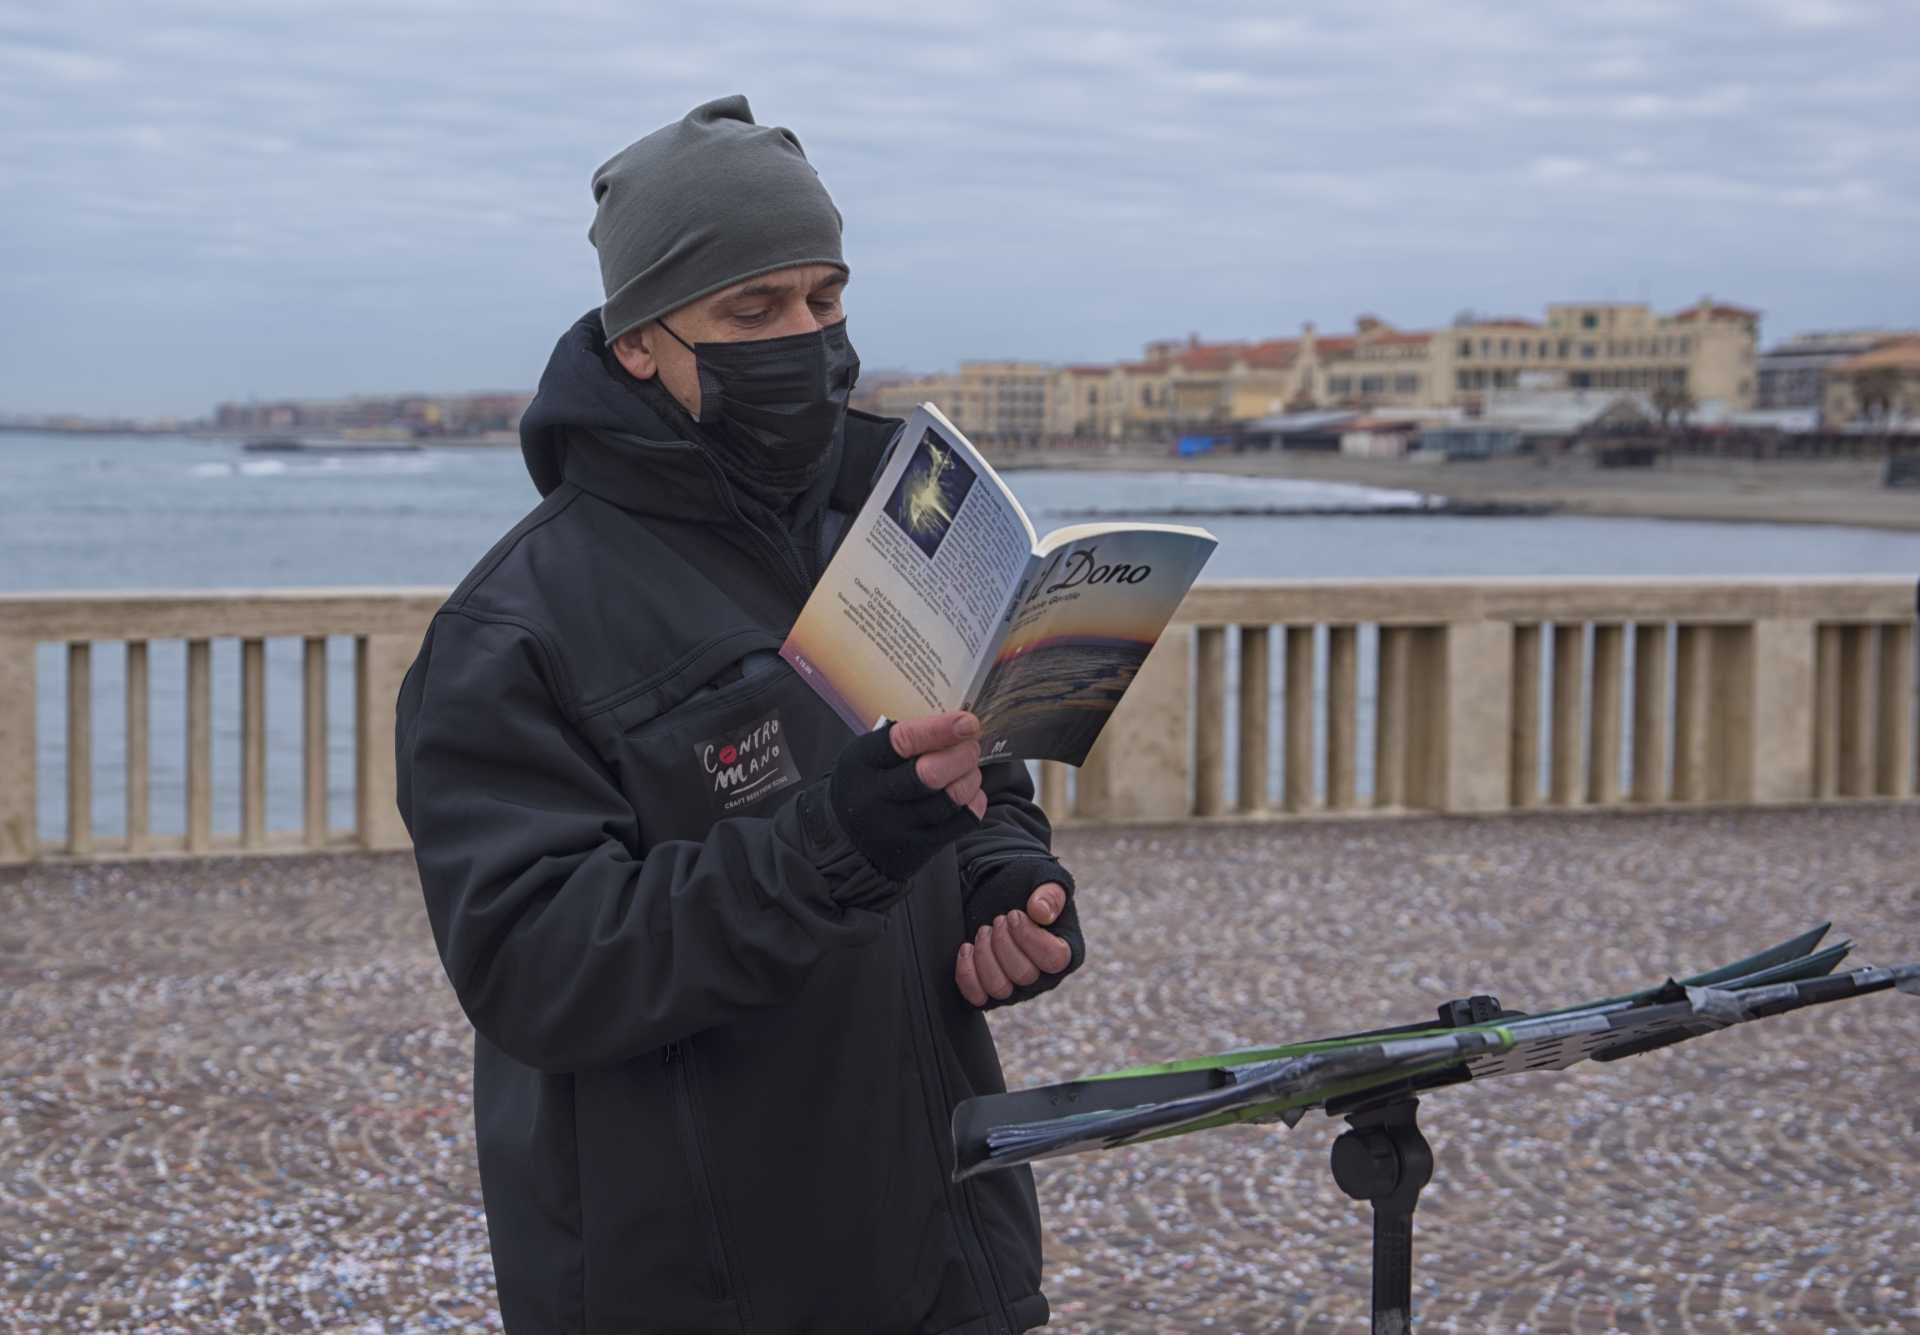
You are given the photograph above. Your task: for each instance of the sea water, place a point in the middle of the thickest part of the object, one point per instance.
(84, 513)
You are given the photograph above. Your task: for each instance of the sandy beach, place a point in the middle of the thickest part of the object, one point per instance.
(1773, 491)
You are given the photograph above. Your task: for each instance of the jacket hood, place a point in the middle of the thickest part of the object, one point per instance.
(593, 424)
(580, 391)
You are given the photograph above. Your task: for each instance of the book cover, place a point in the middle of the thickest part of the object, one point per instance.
(941, 597)
(1097, 601)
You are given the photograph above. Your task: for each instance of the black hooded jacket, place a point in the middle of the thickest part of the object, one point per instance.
(716, 1052)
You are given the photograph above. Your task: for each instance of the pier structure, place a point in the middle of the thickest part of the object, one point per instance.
(240, 1087)
(1266, 700)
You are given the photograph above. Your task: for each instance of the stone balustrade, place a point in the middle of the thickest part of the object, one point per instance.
(1275, 698)
(383, 626)
(1266, 699)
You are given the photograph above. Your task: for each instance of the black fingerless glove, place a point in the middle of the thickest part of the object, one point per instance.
(895, 820)
(1008, 888)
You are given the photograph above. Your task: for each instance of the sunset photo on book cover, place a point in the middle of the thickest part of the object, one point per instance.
(1096, 609)
(1061, 689)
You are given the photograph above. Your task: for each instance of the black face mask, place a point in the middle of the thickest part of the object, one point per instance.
(775, 407)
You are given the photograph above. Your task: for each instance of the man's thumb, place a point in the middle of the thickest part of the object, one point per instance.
(1046, 902)
(932, 732)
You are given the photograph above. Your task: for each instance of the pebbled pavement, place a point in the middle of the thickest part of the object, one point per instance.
(235, 1093)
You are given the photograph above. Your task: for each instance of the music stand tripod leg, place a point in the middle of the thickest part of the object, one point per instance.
(1385, 1161)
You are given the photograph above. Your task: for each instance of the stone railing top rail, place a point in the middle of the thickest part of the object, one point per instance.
(201, 614)
(260, 613)
(1433, 601)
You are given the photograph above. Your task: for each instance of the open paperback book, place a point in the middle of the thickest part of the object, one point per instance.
(941, 597)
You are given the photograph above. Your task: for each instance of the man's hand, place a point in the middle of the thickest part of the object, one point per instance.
(903, 794)
(947, 748)
(1014, 949)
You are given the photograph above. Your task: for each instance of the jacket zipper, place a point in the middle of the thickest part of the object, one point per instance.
(793, 564)
(676, 1057)
(997, 1319)
(790, 562)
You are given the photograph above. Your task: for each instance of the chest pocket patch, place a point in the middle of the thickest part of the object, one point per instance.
(745, 764)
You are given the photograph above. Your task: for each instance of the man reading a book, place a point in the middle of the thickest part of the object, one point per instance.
(725, 962)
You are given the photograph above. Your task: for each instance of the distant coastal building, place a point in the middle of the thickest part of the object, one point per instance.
(418, 415)
(1878, 387)
(995, 403)
(1705, 351)
(1794, 374)
(80, 424)
(1701, 353)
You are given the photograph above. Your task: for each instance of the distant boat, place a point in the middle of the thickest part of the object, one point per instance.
(330, 445)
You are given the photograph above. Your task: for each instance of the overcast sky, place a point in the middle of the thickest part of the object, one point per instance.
(220, 200)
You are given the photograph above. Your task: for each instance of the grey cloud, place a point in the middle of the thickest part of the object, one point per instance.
(395, 194)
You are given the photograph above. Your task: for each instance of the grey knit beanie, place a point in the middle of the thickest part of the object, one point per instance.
(701, 204)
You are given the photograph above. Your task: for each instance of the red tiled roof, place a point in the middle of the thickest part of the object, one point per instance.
(1903, 353)
(1209, 356)
(1274, 354)
(1718, 311)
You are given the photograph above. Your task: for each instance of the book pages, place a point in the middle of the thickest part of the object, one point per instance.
(913, 600)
